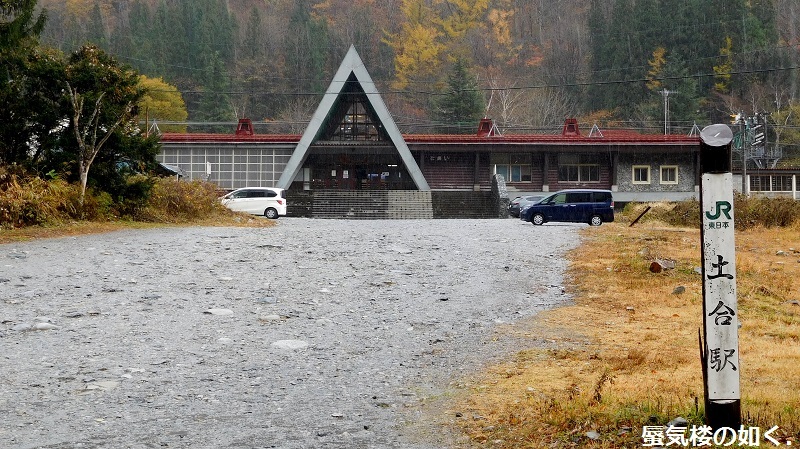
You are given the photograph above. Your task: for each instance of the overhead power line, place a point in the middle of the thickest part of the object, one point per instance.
(490, 89)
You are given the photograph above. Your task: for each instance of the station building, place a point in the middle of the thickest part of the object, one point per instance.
(353, 152)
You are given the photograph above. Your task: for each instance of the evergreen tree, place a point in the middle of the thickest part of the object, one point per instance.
(253, 72)
(462, 106)
(252, 46)
(304, 51)
(19, 24)
(215, 104)
(25, 102)
(142, 40)
(96, 30)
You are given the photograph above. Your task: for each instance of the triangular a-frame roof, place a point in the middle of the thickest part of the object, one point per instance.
(351, 67)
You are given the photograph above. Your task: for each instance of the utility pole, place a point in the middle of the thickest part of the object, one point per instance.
(745, 150)
(666, 94)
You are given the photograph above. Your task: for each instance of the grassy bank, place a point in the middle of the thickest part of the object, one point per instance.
(626, 354)
(33, 208)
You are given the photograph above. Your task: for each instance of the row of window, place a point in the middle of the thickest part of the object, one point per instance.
(586, 173)
(668, 174)
(765, 183)
(229, 168)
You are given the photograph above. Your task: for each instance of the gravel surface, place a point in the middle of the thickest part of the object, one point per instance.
(309, 334)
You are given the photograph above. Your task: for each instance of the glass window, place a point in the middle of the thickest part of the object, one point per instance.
(579, 197)
(782, 183)
(641, 174)
(759, 183)
(590, 173)
(514, 173)
(669, 174)
(560, 198)
(568, 173)
(579, 173)
(575, 167)
(501, 170)
(601, 197)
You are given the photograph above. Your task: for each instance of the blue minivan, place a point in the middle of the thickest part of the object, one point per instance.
(572, 205)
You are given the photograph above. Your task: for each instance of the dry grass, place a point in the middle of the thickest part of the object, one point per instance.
(32, 208)
(626, 354)
(76, 228)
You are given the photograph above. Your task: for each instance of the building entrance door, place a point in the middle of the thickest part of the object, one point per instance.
(362, 172)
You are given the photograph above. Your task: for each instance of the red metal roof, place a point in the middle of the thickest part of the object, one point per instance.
(609, 137)
(229, 138)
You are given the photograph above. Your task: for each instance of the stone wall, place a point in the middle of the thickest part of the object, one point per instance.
(445, 203)
(686, 172)
(500, 196)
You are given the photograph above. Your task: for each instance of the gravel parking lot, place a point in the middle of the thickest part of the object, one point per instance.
(309, 334)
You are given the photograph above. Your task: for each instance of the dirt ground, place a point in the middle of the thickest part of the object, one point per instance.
(309, 334)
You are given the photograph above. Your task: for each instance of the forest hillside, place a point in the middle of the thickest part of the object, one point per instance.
(531, 62)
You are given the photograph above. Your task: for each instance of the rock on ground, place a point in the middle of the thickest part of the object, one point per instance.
(313, 333)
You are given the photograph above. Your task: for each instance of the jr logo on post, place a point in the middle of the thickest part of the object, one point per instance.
(722, 207)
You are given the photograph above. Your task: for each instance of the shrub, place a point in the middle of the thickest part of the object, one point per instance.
(766, 212)
(174, 201)
(748, 212)
(134, 196)
(26, 201)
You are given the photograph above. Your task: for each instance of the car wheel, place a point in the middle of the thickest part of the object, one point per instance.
(537, 219)
(271, 213)
(595, 220)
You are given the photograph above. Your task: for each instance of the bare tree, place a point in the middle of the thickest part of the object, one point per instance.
(504, 100)
(91, 135)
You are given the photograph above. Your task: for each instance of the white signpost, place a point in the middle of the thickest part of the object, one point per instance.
(720, 313)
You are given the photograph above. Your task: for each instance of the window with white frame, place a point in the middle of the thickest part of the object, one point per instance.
(641, 174)
(513, 167)
(669, 174)
(765, 183)
(578, 168)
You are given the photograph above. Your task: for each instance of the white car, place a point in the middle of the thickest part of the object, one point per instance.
(267, 201)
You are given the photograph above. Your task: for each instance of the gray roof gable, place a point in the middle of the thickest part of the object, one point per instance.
(351, 65)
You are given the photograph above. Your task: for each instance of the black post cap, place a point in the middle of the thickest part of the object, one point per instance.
(715, 149)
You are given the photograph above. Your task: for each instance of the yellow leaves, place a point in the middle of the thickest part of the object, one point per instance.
(417, 47)
(602, 117)
(656, 68)
(417, 12)
(418, 54)
(722, 71)
(500, 21)
(465, 15)
(163, 101)
(433, 30)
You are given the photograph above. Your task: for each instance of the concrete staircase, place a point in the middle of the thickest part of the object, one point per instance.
(372, 204)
